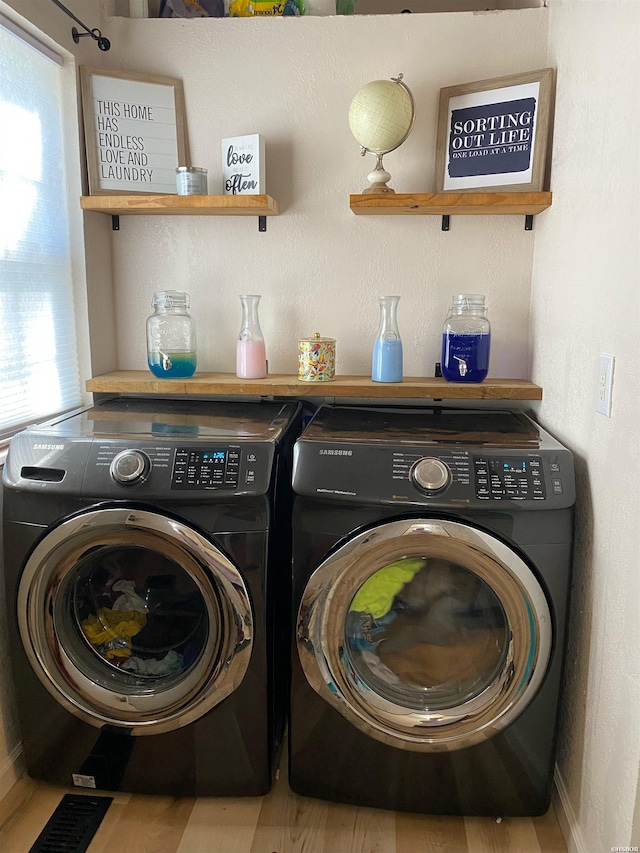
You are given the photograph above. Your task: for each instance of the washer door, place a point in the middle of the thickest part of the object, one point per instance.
(133, 619)
(425, 634)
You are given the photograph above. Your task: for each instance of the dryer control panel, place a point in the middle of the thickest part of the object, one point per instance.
(537, 479)
(515, 478)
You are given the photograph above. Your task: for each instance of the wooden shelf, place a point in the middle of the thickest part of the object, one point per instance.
(181, 205)
(283, 385)
(445, 204)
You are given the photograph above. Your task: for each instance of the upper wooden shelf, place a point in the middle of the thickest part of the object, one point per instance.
(445, 204)
(284, 385)
(181, 205)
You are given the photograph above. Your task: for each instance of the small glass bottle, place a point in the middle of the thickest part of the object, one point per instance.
(466, 339)
(171, 336)
(251, 358)
(386, 361)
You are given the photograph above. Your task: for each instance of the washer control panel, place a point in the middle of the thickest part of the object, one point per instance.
(146, 469)
(197, 468)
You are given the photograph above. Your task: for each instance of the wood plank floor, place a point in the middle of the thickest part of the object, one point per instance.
(280, 822)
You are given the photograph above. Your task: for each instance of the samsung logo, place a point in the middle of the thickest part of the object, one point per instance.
(48, 446)
(336, 453)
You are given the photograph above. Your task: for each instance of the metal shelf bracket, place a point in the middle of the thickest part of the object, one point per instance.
(262, 223)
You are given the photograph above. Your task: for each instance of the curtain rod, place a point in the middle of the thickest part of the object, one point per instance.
(103, 42)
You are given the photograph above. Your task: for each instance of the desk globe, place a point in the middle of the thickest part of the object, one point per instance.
(381, 116)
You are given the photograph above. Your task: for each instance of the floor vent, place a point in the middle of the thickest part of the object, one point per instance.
(72, 825)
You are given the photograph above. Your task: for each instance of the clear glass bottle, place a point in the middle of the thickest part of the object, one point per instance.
(466, 339)
(251, 357)
(386, 361)
(171, 336)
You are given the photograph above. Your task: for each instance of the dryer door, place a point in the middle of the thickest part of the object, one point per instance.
(133, 619)
(426, 634)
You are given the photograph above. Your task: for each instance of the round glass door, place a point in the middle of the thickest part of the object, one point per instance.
(426, 634)
(134, 619)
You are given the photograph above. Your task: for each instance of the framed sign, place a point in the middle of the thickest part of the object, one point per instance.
(135, 131)
(495, 134)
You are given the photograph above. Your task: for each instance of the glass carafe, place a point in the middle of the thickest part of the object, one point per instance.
(466, 339)
(251, 359)
(386, 361)
(171, 336)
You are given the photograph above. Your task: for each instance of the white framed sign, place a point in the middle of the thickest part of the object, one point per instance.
(243, 165)
(495, 134)
(135, 131)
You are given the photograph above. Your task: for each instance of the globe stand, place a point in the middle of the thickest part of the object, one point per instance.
(378, 179)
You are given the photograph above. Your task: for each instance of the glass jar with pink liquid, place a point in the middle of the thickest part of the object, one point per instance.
(251, 358)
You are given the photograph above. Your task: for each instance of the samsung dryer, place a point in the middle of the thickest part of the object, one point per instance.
(431, 572)
(146, 552)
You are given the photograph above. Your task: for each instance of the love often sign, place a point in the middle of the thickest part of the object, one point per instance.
(243, 165)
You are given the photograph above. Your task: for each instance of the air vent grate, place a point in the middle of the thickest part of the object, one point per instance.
(72, 825)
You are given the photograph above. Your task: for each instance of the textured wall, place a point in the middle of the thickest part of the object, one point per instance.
(585, 301)
(319, 267)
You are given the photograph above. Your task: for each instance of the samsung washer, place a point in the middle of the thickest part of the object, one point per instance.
(146, 565)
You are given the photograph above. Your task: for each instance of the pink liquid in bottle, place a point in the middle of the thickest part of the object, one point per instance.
(251, 360)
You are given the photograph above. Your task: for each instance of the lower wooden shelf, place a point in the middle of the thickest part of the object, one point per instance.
(286, 385)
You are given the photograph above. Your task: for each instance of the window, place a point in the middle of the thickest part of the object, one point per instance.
(39, 375)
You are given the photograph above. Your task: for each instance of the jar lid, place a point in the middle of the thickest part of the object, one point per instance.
(475, 299)
(170, 299)
(190, 169)
(315, 339)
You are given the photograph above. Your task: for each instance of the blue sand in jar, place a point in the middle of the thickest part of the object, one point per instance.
(386, 362)
(465, 358)
(172, 365)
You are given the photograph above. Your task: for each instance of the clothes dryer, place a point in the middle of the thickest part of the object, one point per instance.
(146, 552)
(431, 572)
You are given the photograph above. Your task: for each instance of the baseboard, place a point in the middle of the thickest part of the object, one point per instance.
(566, 816)
(11, 770)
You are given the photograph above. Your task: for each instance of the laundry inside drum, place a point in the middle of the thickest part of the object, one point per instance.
(139, 612)
(426, 633)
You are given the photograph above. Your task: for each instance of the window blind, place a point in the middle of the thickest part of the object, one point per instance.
(39, 373)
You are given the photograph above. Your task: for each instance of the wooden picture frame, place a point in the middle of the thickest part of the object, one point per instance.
(135, 131)
(496, 134)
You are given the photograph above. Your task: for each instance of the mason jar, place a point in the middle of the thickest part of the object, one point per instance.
(466, 339)
(171, 336)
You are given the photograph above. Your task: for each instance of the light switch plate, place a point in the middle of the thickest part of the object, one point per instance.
(605, 384)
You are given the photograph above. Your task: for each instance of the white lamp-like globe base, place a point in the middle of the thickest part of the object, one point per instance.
(378, 179)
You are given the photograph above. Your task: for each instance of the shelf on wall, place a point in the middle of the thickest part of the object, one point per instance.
(526, 204)
(285, 385)
(149, 204)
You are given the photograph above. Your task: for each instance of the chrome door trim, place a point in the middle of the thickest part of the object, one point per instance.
(222, 664)
(326, 600)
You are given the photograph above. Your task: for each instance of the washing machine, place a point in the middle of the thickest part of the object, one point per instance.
(147, 561)
(432, 557)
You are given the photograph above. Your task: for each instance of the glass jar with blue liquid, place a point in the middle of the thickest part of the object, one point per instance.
(171, 336)
(466, 339)
(386, 361)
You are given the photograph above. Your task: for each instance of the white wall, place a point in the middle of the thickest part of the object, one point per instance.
(585, 301)
(318, 266)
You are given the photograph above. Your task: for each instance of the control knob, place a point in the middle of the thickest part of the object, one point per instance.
(430, 475)
(130, 466)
